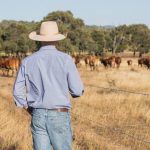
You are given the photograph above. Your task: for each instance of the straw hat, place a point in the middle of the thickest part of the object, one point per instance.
(48, 32)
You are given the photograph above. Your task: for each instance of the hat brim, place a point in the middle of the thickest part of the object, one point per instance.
(34, 36)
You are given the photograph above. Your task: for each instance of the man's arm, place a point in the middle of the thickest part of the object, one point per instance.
(19, 89)
(74, 81)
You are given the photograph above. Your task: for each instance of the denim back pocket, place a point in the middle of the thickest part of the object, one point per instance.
(60, 123)
(38, 120)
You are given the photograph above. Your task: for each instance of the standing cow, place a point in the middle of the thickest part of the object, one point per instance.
(106, 62)
(141, 61)
(118, 61)
(8, 64)
(147, 62)
(129, 62)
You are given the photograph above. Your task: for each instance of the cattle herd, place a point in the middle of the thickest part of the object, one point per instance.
(108, 62)
(94, 61)
(10, 65)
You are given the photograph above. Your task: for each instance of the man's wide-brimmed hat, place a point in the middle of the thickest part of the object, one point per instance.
(48, 32)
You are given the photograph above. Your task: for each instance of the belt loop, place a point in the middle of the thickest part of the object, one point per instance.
(46, 112)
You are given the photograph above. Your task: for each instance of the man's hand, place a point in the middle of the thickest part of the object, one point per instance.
(28, 109)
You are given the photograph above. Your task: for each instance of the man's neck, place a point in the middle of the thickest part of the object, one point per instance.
(48, 43)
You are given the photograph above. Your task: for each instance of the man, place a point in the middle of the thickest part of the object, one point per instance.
(43, 84)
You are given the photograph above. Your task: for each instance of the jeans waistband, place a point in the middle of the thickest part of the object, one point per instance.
(54, 109)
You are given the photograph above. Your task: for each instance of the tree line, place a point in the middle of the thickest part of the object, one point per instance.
(80, 37)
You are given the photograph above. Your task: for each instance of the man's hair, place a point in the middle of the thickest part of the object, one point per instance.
(43, 43)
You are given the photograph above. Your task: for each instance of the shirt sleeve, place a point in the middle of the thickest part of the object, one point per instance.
(75, 84)
(19, 89)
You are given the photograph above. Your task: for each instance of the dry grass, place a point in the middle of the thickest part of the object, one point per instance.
(101, 119)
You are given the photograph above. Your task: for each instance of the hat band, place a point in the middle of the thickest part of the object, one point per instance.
(48, 34)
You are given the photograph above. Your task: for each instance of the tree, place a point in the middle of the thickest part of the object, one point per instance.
(139, 38)
(14, 36)
(99, 39)
(93, 39)
(118, 36)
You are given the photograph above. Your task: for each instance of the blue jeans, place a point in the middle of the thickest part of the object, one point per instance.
(51, 129)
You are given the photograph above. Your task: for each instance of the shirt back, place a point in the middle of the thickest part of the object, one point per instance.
(49, 76)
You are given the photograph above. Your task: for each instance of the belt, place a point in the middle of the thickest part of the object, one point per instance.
(55, 109)
(60, 109)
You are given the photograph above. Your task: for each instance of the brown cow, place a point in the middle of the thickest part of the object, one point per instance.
(94, 63)
(76, 59)
(112, 59)
(106, 62)
(129, 62)
(146, 62)
(81, 62)
(141, 61)
(10, 64)
(3, 59)
(87, 60)
(118, 61)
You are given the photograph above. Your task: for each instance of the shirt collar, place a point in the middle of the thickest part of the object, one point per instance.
(48, 47)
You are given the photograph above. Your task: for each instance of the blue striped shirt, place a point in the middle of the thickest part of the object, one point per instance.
(45, 80)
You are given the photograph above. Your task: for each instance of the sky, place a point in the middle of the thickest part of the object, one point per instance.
(93, 12)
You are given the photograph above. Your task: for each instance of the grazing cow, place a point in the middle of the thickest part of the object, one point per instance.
(129, 62)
